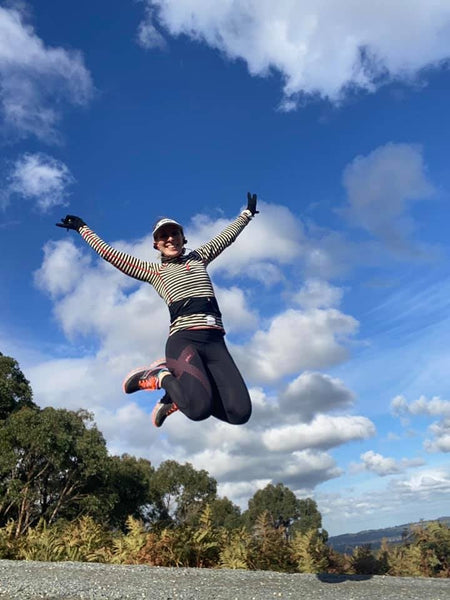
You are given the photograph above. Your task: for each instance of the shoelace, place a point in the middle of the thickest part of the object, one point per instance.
(149, 384)
(172, 409)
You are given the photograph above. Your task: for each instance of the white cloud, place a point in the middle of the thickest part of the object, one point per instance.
(318, 294)
(40, 178)
(313, 393)
(54, 276)
(430, 407)
(148, 36)
(35, 78)
(296, 340)
(422, 406)
(424, 484)
(260, 251)
(380, 186)
(319, 48)
(441, 433)
(233, 304)
(323, 432)
(381, 465)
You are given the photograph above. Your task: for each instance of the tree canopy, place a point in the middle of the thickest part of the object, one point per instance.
(15, 389)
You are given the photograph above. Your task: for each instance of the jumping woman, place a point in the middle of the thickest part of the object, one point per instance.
(198, 374)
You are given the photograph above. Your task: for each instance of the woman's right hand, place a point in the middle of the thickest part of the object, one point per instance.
(71, 222)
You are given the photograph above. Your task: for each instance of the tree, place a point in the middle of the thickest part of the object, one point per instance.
(15, 390)
(129, 484)
(182, 491)
(310, 518)
(52, 465)
(281, 504)
(225, 514)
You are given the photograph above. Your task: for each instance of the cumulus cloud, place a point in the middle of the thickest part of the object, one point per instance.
(422, 406)
(41, 179)
(234, 305)
(313, 393)
(255, 254)
(34, 79)
(380, 187)
(319, 49)
(382, 465)
(318, 294)
(323, 432)
(441, 439)
(296, 340)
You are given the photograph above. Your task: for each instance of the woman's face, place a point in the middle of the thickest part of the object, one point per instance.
(169, 241)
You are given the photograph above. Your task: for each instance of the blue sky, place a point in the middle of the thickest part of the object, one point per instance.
(335, 298)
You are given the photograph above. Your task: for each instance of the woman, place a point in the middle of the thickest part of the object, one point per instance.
(198, 374)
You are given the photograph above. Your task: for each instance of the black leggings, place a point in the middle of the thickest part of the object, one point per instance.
(205, 381)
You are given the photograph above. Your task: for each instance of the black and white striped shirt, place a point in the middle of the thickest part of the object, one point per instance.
(177, 278)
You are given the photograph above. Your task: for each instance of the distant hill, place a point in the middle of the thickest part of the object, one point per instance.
(394, 535)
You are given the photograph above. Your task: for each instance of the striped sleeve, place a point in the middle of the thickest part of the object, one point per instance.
(225, 238)
(130, 265)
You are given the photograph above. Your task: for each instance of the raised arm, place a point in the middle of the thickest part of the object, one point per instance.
(130, 265)
(225, 238)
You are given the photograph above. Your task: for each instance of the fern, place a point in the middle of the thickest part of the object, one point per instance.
(309, 552)
(127, 548)
(234, 552)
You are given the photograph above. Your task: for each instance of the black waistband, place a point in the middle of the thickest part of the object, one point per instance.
(206, 305)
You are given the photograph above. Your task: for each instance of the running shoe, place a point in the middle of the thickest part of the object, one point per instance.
(144, 378)
(162, 411)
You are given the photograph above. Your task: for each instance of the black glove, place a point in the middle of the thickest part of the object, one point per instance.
(251, 203)
(71, 222)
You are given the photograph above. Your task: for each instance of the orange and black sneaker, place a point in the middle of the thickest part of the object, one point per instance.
(161, 411)
(144, 378)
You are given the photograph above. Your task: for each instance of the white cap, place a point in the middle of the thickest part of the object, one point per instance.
(163, 222)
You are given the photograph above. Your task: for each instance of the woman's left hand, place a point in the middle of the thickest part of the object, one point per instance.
(251, 203)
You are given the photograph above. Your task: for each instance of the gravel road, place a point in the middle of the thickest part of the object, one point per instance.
(90, 581)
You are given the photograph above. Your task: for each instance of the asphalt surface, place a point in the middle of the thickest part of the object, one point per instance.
(21, 580)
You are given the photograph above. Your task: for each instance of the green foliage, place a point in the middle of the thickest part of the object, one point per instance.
(82, 540)
(127, 549)
(225, 514)
(364, 562)
(280, 503)
(285, 510)
(129, 488)
(309, 552)
(8, 542)
(205, 546)
(235, 546)
(51, 466)
(405, 561)
(15, 390)
(269, 549)
(428, 554)
(182, 492)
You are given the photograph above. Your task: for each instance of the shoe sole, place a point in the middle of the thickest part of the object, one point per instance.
(155, 412)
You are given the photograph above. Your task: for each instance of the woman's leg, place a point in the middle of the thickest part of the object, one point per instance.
(188, 385)
(231, 400)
